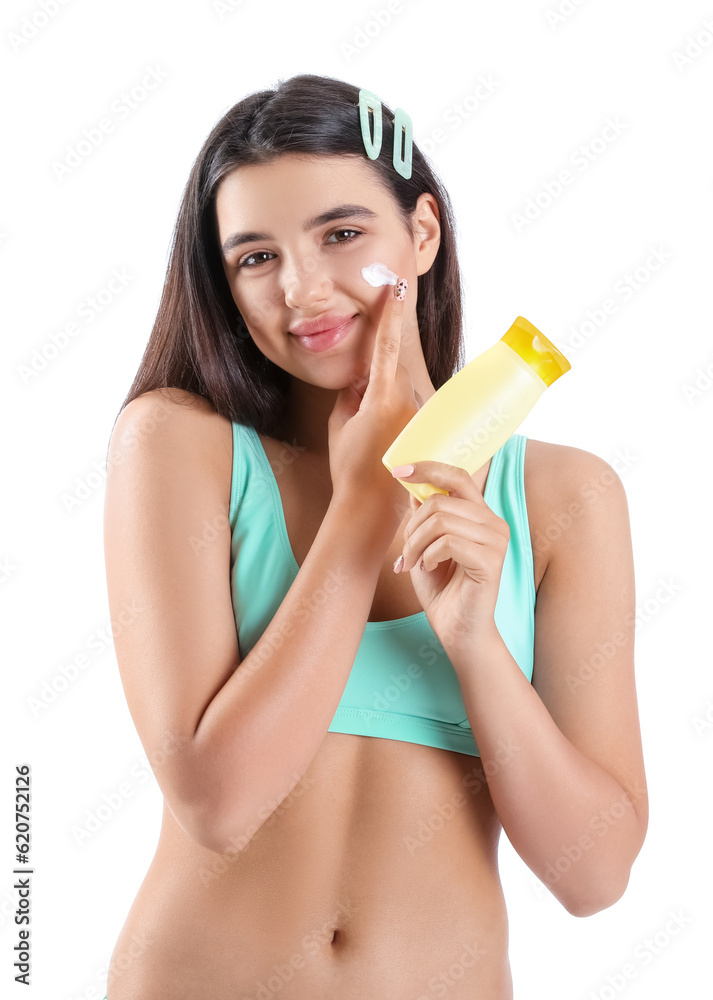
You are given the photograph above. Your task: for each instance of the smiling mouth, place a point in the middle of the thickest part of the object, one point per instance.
(325, 339)
(328, 329)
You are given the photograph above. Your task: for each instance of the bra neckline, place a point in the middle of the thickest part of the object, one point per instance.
(287, 545)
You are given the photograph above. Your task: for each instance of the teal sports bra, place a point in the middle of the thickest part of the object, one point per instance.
(402, 686)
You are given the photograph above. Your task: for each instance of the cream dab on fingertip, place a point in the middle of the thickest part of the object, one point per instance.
(378, 274)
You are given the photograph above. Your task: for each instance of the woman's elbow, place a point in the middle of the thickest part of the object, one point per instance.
(598, 898)
(203, 807)
(208, 802)
(219, 830)
(205, 823)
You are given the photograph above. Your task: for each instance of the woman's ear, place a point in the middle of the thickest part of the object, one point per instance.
(427, 226)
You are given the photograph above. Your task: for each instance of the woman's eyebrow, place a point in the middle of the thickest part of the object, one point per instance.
(339, 212)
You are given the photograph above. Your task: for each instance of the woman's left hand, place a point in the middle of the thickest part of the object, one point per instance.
(462, 543)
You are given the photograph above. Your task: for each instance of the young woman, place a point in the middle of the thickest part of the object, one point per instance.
(339, 744)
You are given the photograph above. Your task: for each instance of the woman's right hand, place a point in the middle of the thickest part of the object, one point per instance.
(364, 422)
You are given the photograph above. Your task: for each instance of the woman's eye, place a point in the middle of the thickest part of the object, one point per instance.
(349, 238)
(256, 253)
(244, 262)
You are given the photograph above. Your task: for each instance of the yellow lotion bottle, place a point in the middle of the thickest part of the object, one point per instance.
(477, 409)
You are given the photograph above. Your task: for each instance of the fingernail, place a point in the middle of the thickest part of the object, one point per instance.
(398, 564)
(402, 471)
(400, 289)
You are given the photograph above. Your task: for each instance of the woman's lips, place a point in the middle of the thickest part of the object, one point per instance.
(327, 338)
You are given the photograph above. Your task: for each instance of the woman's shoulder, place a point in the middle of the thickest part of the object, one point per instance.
(169, 400)
(170, 421)
(560, 472)
(563, 486)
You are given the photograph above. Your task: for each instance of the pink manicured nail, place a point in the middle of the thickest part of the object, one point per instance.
(398, 565)
(402, 471)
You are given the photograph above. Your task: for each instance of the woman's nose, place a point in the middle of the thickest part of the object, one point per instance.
(305, 283)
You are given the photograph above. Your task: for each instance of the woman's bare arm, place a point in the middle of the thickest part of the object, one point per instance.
(567, 774)
(223, 742)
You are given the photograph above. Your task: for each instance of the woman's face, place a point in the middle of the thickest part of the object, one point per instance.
(294, 235)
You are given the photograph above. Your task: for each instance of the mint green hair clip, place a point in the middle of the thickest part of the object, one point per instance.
(370, 102)
(403, 136)
(403, 133)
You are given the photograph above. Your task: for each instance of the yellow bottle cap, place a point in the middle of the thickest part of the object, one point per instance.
(536, 350)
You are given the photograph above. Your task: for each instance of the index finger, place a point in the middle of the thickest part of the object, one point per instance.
(388, 337)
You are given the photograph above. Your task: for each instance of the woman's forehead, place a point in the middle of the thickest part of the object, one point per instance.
(301, 186)
(298, 168)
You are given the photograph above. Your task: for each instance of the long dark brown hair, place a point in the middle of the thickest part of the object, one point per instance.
(199, 339)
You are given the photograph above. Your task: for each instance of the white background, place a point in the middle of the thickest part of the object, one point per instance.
(625, 398)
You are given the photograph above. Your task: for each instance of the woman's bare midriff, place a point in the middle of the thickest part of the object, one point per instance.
(375, 878)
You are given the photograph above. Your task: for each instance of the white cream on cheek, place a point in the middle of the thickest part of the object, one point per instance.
(378, 274)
